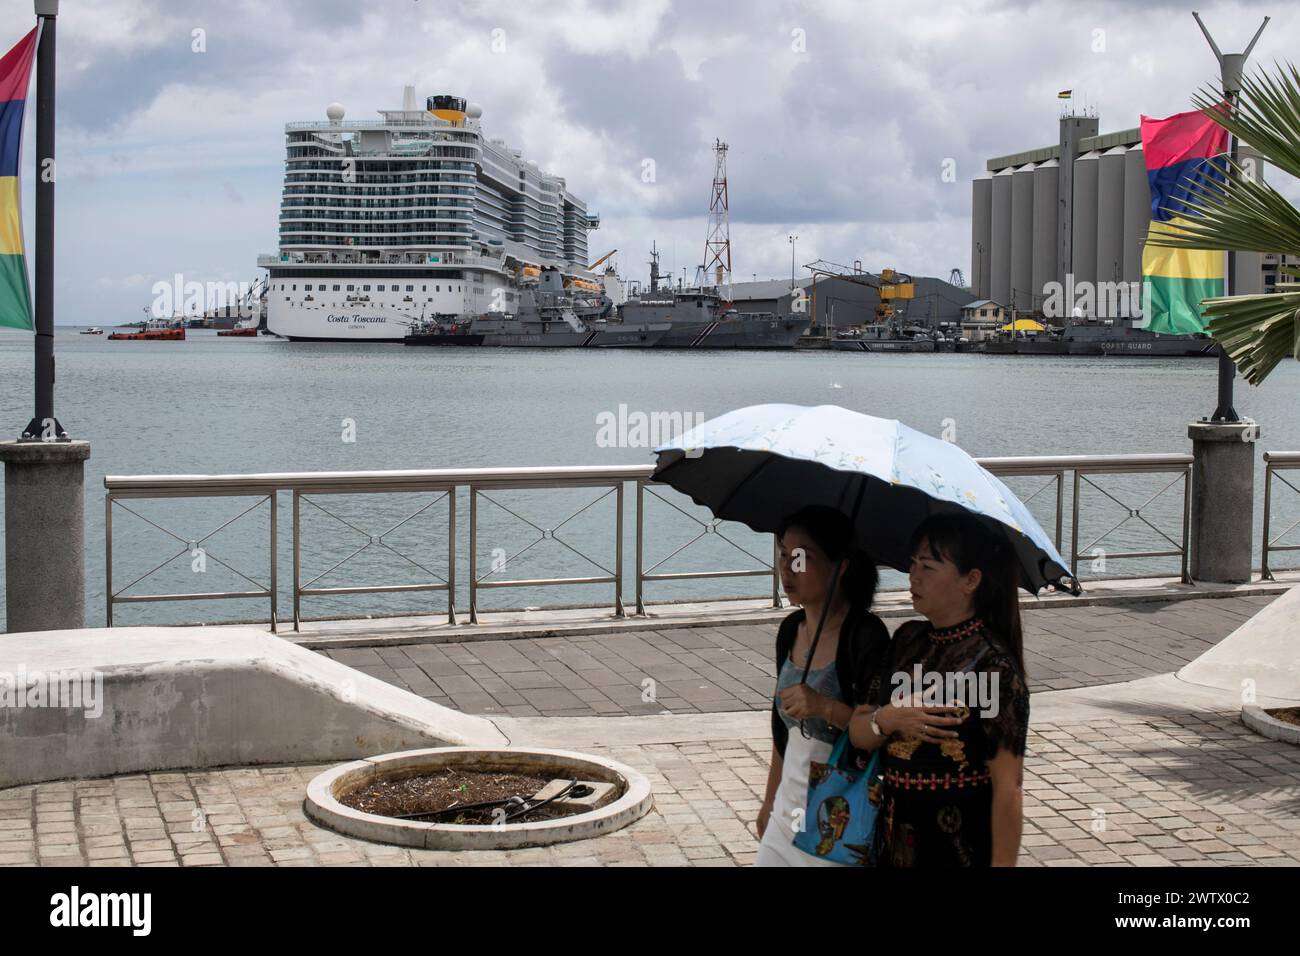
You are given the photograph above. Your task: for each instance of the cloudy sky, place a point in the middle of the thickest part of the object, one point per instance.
(841, 115)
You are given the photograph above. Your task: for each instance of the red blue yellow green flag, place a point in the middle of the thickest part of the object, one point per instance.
(1182, 152)
(15, 77)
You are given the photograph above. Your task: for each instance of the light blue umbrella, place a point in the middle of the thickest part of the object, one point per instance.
(760, 464)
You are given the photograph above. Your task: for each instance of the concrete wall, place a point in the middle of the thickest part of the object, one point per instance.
(189, 697)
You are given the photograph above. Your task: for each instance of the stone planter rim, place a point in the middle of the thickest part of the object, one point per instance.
(323, 808)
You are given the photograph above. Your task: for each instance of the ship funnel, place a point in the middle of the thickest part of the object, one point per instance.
(408, 99)
(449, 108)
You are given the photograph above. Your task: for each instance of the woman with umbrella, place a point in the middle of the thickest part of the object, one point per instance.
(922, 505)
(951, 794)
(819, 681)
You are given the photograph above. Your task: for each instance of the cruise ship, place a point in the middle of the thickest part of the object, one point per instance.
(413, 213)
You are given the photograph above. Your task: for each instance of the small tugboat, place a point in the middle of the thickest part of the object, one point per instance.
(93, 330)
(155, 330)
(441, 330)
(239, 330)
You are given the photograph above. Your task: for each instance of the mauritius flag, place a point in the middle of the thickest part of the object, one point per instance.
(1181, 151)
(15, 72)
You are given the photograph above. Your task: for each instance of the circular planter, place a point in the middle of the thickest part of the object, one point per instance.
(324, 807)
(1262, 723)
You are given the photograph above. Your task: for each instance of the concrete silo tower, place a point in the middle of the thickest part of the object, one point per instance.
(1084, 239)
(1000, 244)
(1022, 238)
(1110, 215)
(981, 234)
(1046, 216)
(1137, 212)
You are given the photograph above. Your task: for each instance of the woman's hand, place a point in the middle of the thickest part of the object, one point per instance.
(912, 719)
(802, 702)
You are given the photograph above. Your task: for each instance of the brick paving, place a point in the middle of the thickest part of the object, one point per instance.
(729, 668)
(1129, 791)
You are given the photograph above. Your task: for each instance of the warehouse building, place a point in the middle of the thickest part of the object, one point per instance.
(841, 302)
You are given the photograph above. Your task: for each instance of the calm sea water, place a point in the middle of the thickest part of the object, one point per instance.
(234, 405)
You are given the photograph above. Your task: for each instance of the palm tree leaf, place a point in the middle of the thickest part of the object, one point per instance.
(1266, 115)
(1256, 331)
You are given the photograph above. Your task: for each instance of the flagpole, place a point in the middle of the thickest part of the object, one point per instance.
(44, 426)
(1231, 66)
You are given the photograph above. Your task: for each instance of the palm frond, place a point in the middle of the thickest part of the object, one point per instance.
(1256, 331)
(1266, 115)
(1239, 214)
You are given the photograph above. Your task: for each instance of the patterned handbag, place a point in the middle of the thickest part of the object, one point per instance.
(841, 817)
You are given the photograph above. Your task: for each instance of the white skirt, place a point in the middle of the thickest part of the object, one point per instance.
(789, 809)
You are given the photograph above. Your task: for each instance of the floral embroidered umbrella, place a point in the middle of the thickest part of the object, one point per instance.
(757, 465)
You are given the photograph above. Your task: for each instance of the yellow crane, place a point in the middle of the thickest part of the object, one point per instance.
(592, 267)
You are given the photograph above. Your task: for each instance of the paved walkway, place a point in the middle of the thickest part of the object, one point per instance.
(1152, 772)
(691, 670)
(1125, 791)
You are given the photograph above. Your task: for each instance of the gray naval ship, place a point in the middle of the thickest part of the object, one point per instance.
(699, 319)
(553, 316)
(1104, 337)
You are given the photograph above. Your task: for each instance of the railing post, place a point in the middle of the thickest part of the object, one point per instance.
(1074, 529)
(618, 553)
(640, 547)
(297, 561)
(473, 554)
(1060, 505)
(451, 555)
(108, 558)
(1264, 573)
(273, 497)
(1187, 523)
(776, 572)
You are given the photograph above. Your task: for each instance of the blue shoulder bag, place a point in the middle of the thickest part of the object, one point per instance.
(841, 818)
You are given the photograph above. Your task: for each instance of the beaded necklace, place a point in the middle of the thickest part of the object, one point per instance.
(946, 635)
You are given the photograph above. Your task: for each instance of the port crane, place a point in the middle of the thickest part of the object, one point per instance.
(892, 286)
(592, 267)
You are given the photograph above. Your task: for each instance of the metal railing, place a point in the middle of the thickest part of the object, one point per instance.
(1274, 463)
(309, 488)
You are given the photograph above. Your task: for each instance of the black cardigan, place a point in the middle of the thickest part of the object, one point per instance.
(860, 661)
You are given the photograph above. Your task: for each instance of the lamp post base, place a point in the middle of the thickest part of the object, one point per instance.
(1223, 500)
(45, 539)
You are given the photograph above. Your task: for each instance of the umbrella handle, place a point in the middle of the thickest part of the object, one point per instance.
(826, 604)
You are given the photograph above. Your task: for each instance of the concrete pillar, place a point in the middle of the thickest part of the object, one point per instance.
(1223, 501)
(45, 540)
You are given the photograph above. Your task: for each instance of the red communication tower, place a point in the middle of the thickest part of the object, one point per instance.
(717, 247)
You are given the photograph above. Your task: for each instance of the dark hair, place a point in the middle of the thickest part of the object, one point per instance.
(969, 543)
(832, 532)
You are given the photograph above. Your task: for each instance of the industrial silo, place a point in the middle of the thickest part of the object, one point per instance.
(981, 234)
(1000, 241)
(1046, 220)
(1084, 233)
(1022, 238)
(1137, 211)
(1110, 217)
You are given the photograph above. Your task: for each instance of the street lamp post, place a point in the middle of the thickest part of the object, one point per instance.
(1230, 69)
(792, 241)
